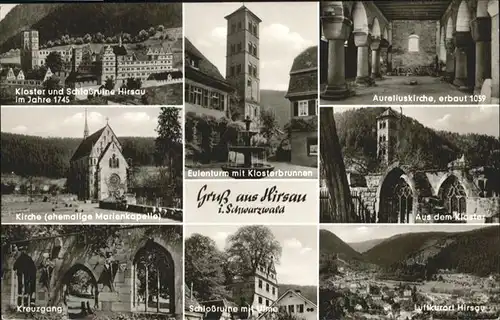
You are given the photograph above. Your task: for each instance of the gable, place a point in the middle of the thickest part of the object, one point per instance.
(108, 152)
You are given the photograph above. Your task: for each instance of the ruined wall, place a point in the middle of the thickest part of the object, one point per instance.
(75, 251)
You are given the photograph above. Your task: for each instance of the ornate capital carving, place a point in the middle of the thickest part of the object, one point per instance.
(480, 29)
(336, 27)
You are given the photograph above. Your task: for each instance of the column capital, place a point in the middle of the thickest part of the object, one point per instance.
(463, 39)
(493, 8)
(375, 44)
(336, 27)
(480, 29)
(361, 39)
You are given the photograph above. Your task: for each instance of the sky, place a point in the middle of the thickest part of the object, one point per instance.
(69, 121)
(5, 8)
(356, 233)
(483, 120)
(285, 31)
(298, 263)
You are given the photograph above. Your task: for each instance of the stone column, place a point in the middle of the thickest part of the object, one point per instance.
(493, 12)
(481, 34)
(389, 60)
(336, 29)
(450, 59)
(362, 41)
(375, 46)
(462, 41)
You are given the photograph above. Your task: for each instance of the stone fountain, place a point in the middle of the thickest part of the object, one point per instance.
(254, 164)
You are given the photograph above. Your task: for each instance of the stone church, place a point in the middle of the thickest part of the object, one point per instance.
(98, 169)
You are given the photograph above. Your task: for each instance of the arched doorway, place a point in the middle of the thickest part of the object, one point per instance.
(80, 291)
(153, 283)
(24, 281)
(453, 195)
(396, 199)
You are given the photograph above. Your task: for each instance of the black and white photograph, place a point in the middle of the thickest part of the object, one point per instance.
(99, 164)
(409, 272)
(251, 93)
(99, 272)
(409, 52)
(251, 272)
(410, 165)
(91, 54)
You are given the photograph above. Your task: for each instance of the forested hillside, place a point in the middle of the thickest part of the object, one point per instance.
(418, 146)
(49, 157)
(476, 252)
(78, 19)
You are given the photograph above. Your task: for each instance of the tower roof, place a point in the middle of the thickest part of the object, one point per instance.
(388, 113)
(243, 9)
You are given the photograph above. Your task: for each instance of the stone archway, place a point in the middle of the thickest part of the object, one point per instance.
(464, 51)
(397, 199)
(453, 194)
(80, 290)
(361, 34)
(24, 281)
(153, 279)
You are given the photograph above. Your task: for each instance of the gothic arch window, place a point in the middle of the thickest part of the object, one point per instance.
(413, 43)
(80, 290)
(153, 288)
(453, 195)
(24, 281)
(114, 161)
(396, 199)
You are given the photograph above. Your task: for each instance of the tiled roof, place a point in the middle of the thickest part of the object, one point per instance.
(205, 66)
(304, 73)
(119, 50)
(244, 8)
(85, 147)
(388, 113)
(306, 59)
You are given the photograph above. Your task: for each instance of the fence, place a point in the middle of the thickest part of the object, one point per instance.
(360, 212)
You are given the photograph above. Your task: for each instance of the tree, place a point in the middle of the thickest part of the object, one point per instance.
(160, 28)
(143, 35)
(87, 38)
(79, 40)
(203, 268)
(54, 62)
(168, 145)
(109, 84)
(251, 247)
(334, 169)
(98, 37)
(133, 83)
(268, 124)
(50, 85)
(234, 109)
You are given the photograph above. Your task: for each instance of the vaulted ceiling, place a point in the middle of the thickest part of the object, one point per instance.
(413, 9)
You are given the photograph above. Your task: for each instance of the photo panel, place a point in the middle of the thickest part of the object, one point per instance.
(408, 272)
(130, 53)
(409, 52)
(91, 165)
(251, 110)
(410, 165)
(92, 272)
(275, 278)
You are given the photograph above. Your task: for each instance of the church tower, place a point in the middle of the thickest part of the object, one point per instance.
(386, 136)
(242, 60)
(29, 50)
